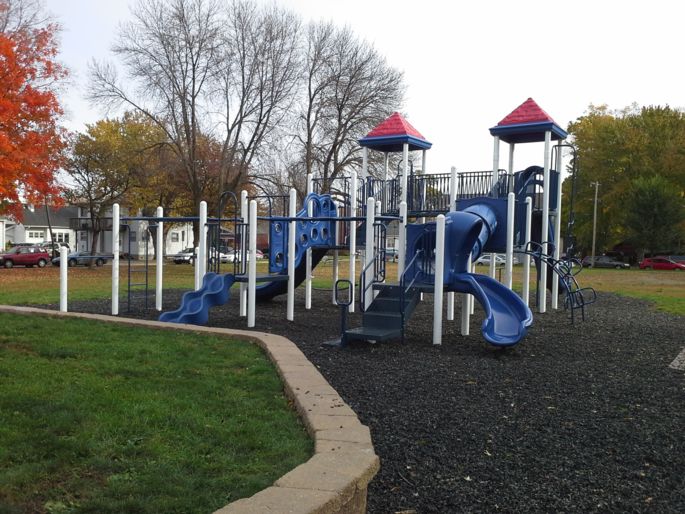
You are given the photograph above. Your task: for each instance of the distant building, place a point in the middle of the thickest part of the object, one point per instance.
(72, 225)
(35, 227)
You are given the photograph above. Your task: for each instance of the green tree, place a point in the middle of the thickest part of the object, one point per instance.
(654, 212)
(115, 160)
(615, 148)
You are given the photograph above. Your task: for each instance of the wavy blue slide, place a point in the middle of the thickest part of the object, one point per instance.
(195, 305)
(507, 318)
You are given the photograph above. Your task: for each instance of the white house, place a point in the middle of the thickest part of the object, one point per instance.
(72, 225)
(134, 236)
(34, 228)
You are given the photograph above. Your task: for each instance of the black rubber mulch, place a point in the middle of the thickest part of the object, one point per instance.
(576, 418)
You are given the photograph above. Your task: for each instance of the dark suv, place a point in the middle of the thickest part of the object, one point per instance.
(28, 256)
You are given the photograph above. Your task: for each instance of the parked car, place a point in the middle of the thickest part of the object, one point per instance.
(237, 256)
(662, 263)
(83, 259)
(500, 259)
(55, 247)
(28, 256)
(604, 261)
(391, 254)
(186, 256)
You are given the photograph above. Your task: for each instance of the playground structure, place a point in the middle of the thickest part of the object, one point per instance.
(474, 212)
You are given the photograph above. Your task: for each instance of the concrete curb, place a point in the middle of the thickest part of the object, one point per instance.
(336, 478)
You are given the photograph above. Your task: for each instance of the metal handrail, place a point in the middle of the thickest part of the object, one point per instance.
(362, 278)
(403, 290)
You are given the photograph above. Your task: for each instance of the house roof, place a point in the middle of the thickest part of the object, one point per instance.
(391, 134)
(527, 124)
(59, 218)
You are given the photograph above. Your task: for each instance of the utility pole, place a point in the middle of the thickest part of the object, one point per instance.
(594, 224)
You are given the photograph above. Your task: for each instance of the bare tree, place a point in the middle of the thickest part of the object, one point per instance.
(171, 52)
(206, 71)
(257, 83)
(22, 14)
(349, 89)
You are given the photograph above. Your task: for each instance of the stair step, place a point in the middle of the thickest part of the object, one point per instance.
(382, 319)
(372, 334)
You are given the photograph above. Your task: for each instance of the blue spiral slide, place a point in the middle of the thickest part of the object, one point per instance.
(507, 317)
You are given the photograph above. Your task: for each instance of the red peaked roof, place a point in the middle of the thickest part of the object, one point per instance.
(527, 112)
(395, 125)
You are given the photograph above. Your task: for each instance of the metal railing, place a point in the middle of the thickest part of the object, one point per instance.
(404, 288)
(378, 262)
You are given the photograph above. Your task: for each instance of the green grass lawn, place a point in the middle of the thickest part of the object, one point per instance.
(666, 289)
(102, 418)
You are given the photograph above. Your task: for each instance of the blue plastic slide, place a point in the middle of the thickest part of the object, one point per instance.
(195, 305)
(507, 318)
(467, 232)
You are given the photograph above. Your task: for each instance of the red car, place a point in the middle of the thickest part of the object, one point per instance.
(661, 263)
(28, 256)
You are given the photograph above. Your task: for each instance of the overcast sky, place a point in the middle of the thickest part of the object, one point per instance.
(466, 64)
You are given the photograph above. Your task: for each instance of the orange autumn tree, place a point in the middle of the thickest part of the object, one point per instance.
(31, 142)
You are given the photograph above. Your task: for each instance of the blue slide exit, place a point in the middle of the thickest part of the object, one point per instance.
(507, 317)
(195, 305)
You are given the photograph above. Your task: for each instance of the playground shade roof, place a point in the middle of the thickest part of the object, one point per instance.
(527, 124)
(390, 136)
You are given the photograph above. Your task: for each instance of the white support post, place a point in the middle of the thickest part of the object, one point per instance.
(365, 164)
(422, 205)
(439, 278)
(202, 255)
(493, 183)
(405, 171)
(336, 272)
(243, 243)
(198, 279)
(353, 237)
(453, 207)
(63, 284)
(402, 241)
(308, 255)
(495, 169)
(557, 232)
(472, 304)
(386, 189)
(159, 271)
(369, 251)
(252, 266)
(466, 307)
(292, 229)
(511, 166)
(115, 259)
(495, 161)
(525, 293)
(509, 263)
(544, 237)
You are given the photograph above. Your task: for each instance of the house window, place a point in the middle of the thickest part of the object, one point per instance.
(174, 237)
(62, 237)
(133, 236)
(36, 235)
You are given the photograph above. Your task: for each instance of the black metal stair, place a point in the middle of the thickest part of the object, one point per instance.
(384, 318)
